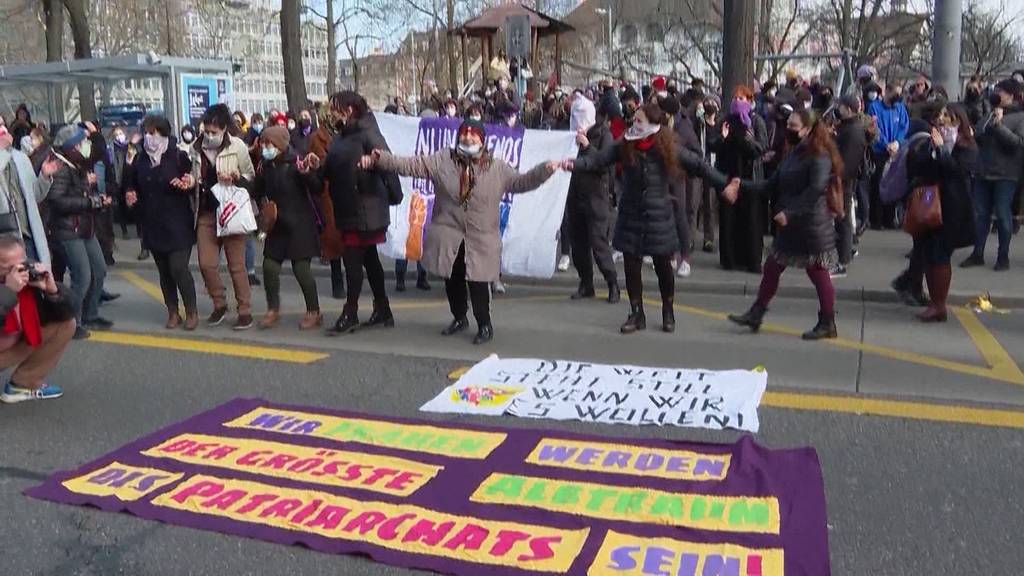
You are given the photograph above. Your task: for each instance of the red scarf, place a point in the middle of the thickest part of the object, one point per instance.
(644, 144)
(29, 318)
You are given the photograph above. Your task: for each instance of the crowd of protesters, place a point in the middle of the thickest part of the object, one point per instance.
(659, 171)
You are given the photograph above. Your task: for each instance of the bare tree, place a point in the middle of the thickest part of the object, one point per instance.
(988, 40)
(291, 55)
(79, 20)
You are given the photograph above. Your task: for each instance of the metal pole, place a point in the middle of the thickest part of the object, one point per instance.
(946, 47)
(611, 38)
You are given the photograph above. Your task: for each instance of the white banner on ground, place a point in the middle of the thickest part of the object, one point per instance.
(606, 393)
(529, 222)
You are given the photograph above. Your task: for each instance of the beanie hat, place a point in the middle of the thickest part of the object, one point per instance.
(658, 83)
(669, 105)
(277, 136)
(68, 137)
(1011, 87)
(630, 94)
(473, 126)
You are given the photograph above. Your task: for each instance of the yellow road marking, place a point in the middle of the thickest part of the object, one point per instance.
(1000, 364)
(146, 286)
(208, 347)
(896, 408)
(993, 352)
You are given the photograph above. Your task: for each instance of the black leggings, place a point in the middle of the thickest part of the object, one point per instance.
(478, 292)
(634, 265)
(175, 277)
(356, 259)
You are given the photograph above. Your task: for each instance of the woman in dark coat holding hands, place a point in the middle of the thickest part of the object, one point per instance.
(650, 156)
(157, 187)
(805, 234)
(287, 181)
(361, 201)
(948, 159)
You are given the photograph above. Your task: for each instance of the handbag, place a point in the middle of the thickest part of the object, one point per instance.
(234, 211)
(268, 217)
(924, 211)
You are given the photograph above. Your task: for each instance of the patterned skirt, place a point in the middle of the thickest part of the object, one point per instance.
(827, 260)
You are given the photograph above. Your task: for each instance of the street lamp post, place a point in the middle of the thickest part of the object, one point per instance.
(607, 11)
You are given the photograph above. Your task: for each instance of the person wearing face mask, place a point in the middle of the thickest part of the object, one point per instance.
(451, 109)
(893, 120)
(219, 158)
(256, 126)
(1001, 142)
(331, 246)
(158, 184)
(240, 123)
(805, 235)
(361, 200)
(74, 203)
(974, 102)
(650, 158)
(287, 181)
(118, 153)
(186, 138)
(739, 151)
(21, 191)
(301, 134)
(589, 208)
(949, 159)
(463, 242)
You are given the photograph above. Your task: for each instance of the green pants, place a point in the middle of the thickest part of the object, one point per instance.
(304, 276)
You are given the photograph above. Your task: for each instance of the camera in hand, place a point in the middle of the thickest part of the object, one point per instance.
(33, 274)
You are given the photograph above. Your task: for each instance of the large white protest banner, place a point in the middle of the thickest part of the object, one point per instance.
(607, 393)
(529, 222)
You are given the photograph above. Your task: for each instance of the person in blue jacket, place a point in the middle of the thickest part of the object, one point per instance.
(893, 122)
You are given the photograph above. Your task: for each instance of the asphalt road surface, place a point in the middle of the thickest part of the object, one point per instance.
(933, 489)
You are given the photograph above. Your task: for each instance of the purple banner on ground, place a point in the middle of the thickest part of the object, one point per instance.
(461, 499)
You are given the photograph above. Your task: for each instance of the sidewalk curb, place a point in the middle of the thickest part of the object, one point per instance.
(683, 286)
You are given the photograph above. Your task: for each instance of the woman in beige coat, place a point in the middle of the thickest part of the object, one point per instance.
(463, 239)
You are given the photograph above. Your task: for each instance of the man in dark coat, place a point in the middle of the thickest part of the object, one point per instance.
(852, 141)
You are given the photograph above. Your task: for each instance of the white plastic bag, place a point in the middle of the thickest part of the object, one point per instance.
(234, 213)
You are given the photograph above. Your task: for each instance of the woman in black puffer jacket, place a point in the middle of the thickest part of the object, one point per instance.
(650, 158)
(806, 235)
(361, 206)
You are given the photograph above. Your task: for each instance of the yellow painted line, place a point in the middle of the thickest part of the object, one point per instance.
(993, 352)
(146, 286)
(896, 409)
(208, 347)
(861, 405)
(1001, 366)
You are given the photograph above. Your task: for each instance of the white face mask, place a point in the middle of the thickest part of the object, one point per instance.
(291, 124)
(212, 142)
(470, 150)
(120, 138)
(451, 112)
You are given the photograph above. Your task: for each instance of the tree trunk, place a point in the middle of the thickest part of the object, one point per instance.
(738, 46)
(453, 75)
(54, 10)
(291, 54)
(83, 50)
(332, 49)
(435, 49)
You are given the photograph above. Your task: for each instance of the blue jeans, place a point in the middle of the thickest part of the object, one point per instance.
(993, 196)
(88, 270)
(250, 255)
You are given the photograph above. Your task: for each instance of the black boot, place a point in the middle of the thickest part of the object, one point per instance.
(337, 280)
(457, 325)
(484, 335)
(348, 322)
(583, 291)
(668, 317)
(613, 293)
(826, 328)
(637, 319)
(381, 315)
(751, 318)
(421, 281)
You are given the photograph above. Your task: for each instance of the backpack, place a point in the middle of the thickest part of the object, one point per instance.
(895, 184)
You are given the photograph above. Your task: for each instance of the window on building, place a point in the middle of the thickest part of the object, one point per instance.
(628, 35)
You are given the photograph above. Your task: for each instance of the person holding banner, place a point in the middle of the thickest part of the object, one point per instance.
(463, 243)
(651, 156)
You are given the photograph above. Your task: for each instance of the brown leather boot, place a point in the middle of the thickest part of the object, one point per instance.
(312, 319)
(173, 319)
(270, 319)
(191, 320)
(939, 278)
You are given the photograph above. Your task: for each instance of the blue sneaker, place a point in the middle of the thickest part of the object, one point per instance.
(13, 394)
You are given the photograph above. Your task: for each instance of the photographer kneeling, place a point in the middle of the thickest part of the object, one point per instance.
(38, 322)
